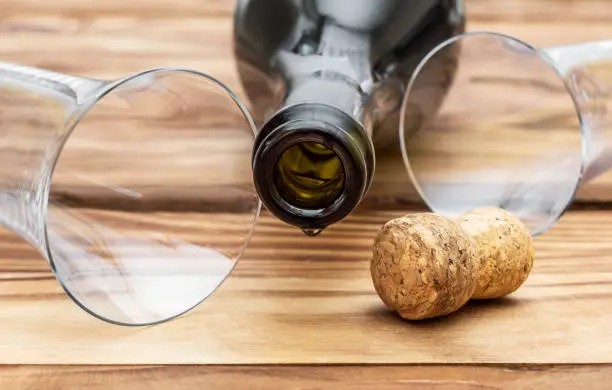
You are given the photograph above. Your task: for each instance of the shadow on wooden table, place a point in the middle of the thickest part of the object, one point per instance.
(474, 308)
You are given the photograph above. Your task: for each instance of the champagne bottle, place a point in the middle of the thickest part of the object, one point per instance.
(325, 79)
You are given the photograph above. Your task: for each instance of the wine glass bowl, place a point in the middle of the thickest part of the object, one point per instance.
(143, 200)
(514, 129)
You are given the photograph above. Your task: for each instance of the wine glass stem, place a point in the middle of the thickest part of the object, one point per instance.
(77, 88)
(35, 108)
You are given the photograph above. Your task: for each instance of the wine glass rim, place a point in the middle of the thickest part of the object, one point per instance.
(548, 61)
(71, 125)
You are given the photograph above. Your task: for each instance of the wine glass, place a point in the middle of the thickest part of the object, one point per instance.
(519, 128)
(137, 191)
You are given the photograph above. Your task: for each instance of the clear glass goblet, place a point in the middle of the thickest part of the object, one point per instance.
(138, 191)
(519, 128)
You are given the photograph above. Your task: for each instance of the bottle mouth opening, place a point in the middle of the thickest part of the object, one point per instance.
(296, 192)
(300, 192)
(312, 164)
(309, 175)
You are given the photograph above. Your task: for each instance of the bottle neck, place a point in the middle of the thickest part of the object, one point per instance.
(328, 88)
(312, 164)
(314, 160)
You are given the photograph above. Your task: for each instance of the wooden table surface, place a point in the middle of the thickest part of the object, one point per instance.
(295, 303)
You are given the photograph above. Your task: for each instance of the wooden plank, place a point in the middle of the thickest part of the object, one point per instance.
(296, 299)
(113, 38)
(158, 9)
(547, 11)
(595, 377)
(516, 11)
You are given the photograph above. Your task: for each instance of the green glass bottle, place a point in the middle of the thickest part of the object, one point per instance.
(325, 80)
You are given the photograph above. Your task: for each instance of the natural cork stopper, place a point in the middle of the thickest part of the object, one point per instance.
(505, 249)
(423, 266)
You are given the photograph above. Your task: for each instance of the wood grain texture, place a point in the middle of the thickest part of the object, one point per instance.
(307, 377)
(114, 38)
(295, 299)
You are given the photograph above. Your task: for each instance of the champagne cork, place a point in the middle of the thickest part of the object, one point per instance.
(505, 250)
(425, 265)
